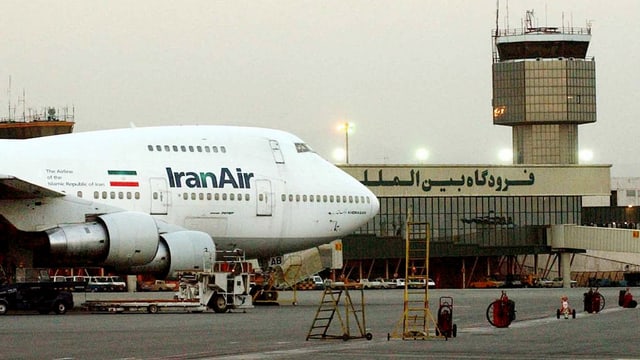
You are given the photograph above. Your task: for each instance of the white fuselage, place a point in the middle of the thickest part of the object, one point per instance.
(260, 190)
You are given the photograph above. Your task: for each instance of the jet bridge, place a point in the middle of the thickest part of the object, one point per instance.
(568, 239)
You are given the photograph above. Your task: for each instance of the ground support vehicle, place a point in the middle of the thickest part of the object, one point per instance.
(43, 297)
(387, 283)
(486, 283)
(158, 285)
(371, 284)
(446, 327)
(223, 288)
(501, 312)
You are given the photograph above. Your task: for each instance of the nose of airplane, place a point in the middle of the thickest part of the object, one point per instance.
(375, 205)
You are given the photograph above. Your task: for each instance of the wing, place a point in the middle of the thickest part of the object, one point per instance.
(12, 188)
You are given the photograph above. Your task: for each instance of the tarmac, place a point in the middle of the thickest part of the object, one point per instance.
(280, 332)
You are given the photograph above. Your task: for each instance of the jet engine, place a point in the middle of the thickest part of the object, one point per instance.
(131, 243)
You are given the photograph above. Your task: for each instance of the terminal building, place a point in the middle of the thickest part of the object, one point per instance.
(488, 220)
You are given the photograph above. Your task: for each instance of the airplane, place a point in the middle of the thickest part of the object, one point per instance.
(152, 199)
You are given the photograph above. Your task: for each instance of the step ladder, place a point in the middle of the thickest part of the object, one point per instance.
(329, 309)
(417, 321)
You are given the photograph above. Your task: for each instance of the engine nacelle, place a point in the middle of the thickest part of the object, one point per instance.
(121, 240)
(130, 242)
(180, 251)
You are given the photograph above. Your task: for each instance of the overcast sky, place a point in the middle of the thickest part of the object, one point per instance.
(407, 74)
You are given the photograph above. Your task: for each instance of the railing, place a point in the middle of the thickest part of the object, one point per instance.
(50, 114)
(541, 30)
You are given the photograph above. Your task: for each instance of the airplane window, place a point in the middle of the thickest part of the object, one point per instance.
(201, 196)
(357, 200)
(183, 148)
(331, 198)
(368, 200)
(215, 149)
(193, 196)
(158, 147)
(232, 196)
(185, 196)
(311, 198)
(350, 199)
(150, 147)
(338, 198)
(344, 198)
(129, 195)
(223, 149)
(79, 194)
(362, 199)
(216, 196)
(112, 195)
(284, 197)
(317, 198)
(224, 196)
(304, 198)
(199, 148)
(96, 194)
(208, 196)
(190, 148)
(239, 197)
(104, 194)
(247, 197)
(206, 148)
(297, 198)
(261, 197)
(120, 195)
(137, 195)
(175, 148)
(290, 197)
(324, 198)
(155, 196)
(167, 148)
(302, 147)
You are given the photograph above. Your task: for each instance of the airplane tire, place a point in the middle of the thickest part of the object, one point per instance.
(152, 309)
(3, 307)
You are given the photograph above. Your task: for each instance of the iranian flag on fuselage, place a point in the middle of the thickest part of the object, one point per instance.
(123, 178)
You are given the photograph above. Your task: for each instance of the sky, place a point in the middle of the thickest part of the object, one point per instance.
(406, 74)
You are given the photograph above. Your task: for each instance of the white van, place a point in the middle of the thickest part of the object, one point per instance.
(318, 283)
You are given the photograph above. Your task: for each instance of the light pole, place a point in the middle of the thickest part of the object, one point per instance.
(346, 140)
(346, 126)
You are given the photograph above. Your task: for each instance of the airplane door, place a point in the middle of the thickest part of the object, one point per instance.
(159, 196)
(264, 198)
(277, 153)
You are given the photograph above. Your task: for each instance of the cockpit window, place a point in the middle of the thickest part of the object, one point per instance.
(302, 147)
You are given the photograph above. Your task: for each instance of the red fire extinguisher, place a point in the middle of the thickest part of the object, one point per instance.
(501, 312)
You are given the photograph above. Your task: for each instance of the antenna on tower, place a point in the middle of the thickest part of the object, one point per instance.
(497, 15)
(9, 98)
(529, 20)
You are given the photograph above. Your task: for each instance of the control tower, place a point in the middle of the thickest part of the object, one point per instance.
(544, 86)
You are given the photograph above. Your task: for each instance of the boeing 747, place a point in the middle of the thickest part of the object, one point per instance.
(150, 200)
